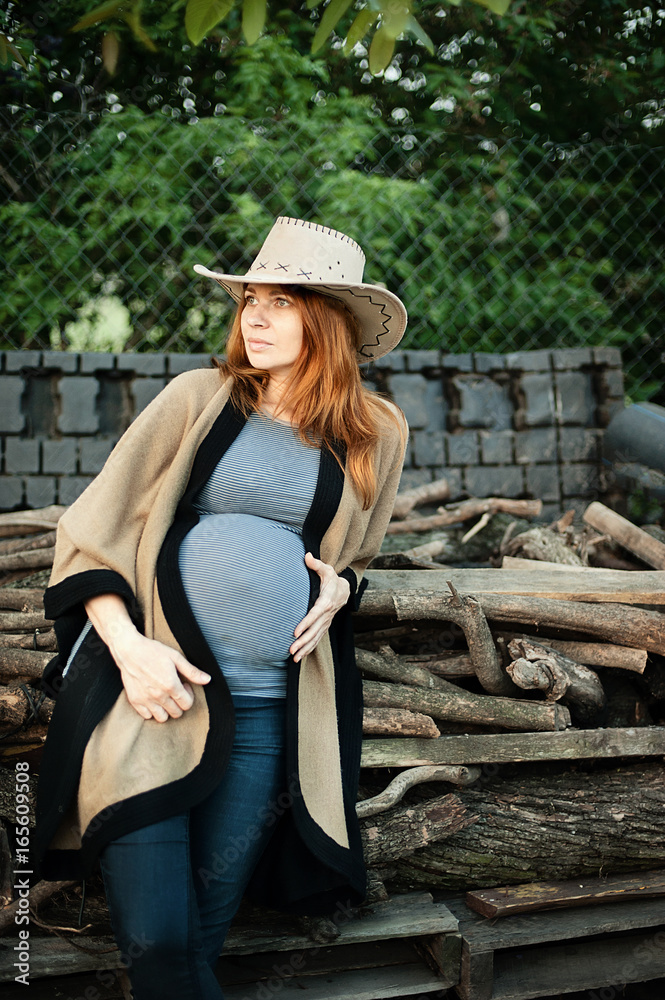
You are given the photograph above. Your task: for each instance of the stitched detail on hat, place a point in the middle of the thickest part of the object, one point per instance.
(322, 229)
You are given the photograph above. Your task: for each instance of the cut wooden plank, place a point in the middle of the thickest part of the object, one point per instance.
(640, 543)
(408, 915)
(499, 748)
(366, 984)
(576, 966)
(57, 957)
(570, 583)
(481, 935)
(506, 900)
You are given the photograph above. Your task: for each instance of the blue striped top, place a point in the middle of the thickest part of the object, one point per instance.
(242, 565)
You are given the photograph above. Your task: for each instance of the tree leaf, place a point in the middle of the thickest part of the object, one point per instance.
(311, 4)
(253, 19)
(363, 21)
(419, 32)
(133, 19)
(113, 8)
(335, 10)
(201, 16)
(110, 52)
(9, 52)
(394, 16)
(499, 7)
(380, 51)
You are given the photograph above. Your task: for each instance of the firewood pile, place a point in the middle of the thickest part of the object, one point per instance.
(514, 700)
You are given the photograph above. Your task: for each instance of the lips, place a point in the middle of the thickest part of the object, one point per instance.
(258, 345)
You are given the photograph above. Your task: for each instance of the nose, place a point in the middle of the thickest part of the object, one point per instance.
(257, 315)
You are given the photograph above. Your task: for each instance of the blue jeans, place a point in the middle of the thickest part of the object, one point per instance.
(173, 887)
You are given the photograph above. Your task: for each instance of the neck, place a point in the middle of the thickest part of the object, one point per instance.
(273, 400)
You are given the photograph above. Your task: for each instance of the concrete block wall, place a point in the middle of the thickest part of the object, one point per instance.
(527, 424)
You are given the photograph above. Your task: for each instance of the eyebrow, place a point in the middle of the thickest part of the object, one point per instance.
(251, 288)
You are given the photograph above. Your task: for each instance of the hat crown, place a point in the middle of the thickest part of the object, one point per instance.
(299, 251)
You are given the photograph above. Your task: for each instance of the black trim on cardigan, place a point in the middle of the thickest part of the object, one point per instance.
(64, 603)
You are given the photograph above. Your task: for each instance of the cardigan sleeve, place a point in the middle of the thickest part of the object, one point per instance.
(389, 472)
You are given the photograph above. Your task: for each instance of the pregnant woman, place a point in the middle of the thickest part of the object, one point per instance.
(206, 736)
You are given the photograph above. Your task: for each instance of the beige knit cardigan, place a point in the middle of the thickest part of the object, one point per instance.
(120, 523)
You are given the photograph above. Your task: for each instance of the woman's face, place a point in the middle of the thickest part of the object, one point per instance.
(271, 327)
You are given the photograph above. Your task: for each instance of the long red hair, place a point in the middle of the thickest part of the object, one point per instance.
(325, 395)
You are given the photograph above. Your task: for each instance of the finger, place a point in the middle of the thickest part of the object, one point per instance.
(191, 672)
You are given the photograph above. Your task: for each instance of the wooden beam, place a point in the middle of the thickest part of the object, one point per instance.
(506, 900)
(498, 748)
(639, 542)
(565, 583)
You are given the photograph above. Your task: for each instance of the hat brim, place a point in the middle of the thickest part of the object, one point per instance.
(382, 315)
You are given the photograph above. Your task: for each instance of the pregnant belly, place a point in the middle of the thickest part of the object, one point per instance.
(247, 584)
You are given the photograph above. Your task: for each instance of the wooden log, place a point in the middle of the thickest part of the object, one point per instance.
(563, 583)
(397, 788)
(28, 544)
(36, 640)
(398, 722)
(640, 543)
(616, 623)
(512, 748)
(37, 559)
(456, 513)
(26, 622)
(429, 550)
(542, 544)
(27, 664)
(455, 665)
(408, 828)
(536, 896)
(558, 676)
(25, 599)
(38, 893)
(534, 827)
(458, 705)
(16, 709)
(417, 495)
(19, 522)
(593, 654)
(467, 613)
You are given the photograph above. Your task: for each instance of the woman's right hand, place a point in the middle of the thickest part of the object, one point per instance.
(155, 677)
(152, 673)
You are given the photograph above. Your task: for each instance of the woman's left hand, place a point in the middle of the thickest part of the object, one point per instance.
(334, 594)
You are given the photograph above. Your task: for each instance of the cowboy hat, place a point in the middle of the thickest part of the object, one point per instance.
(296, 252)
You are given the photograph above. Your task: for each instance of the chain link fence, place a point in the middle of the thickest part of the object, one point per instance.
(492, 247)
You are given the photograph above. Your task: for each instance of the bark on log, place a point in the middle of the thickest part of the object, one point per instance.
(38, 559)
(455, 665)
(427, 493)
(6, 868)
(455, 513)
(398, 722)
(37, 640)
(27, 544)
(593, 654)
(556, 675)
(397, 788)
(564, 825)
(457, 705)
(38, 893)
(26, 664)
(542, 545)
(16, 710)
(408, 828)
(640, 543)
(465, 612)
(23, 522)
(23, 622)
(25, 599)
(616, 623)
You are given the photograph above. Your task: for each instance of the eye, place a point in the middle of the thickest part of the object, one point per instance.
(283, 302)
(249, 299)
